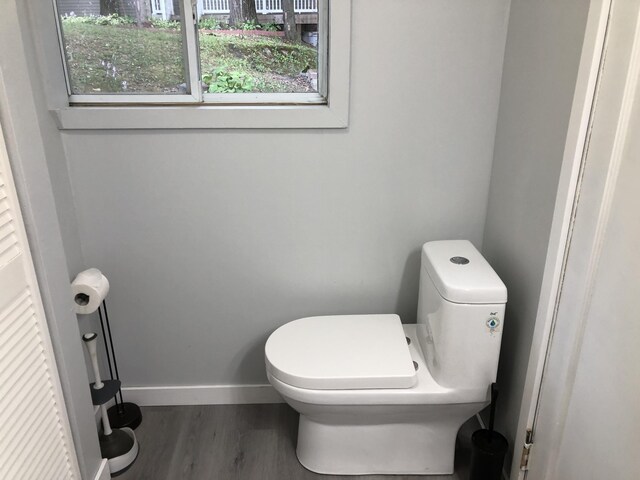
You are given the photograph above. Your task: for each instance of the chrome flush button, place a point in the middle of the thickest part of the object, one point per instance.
(459, 260)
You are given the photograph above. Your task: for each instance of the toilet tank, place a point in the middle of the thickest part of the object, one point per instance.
(460, 314)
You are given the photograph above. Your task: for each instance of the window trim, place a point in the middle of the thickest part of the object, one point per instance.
(252, 110)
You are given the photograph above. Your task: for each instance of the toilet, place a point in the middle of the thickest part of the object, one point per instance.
(376, 396)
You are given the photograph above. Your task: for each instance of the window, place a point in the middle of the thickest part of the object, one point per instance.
(202, 52)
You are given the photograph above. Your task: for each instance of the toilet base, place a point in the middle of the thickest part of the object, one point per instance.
(369, 440)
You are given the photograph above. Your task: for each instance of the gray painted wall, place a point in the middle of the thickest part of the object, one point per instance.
(212, 239)
(35, 150)
(540, 67)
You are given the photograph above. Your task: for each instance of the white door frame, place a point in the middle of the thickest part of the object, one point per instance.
(556, 343)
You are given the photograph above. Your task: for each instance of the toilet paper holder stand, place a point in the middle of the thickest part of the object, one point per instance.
(90, 289)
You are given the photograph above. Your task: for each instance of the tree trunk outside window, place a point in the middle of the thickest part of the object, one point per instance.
(143, 11)
(242, 11)
(291, 32)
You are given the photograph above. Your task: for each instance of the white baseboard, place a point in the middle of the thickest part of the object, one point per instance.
(103, 472)
(201, 395)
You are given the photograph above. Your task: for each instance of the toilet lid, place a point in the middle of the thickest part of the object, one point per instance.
(341, 352)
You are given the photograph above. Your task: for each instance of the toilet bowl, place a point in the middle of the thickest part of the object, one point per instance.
(379, 397)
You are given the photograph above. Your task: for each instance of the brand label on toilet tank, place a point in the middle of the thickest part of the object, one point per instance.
(493, 323)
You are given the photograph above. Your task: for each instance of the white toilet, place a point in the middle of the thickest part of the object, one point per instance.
(379, 397)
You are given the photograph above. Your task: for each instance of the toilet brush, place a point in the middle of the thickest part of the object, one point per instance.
(488, 448)
(119, 446)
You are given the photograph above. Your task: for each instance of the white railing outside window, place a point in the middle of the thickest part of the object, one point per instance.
(262, 6)
(304, 6)
(275, 6)
(215, 6)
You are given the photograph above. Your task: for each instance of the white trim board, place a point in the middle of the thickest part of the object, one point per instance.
(616, 91)
(201, 395)
(559, 237)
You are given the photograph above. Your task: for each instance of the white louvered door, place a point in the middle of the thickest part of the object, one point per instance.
(35, 438)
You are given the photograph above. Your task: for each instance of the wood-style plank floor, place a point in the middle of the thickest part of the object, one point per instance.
(239, 442)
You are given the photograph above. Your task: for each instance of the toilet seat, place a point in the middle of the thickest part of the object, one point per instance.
(341, 352)
(426, 390)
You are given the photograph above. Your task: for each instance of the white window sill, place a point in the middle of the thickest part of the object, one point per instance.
(197, 117)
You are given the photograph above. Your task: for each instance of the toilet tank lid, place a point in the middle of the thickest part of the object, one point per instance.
(461, 274)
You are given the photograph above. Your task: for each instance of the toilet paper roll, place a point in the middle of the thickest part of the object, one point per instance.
(89, 288)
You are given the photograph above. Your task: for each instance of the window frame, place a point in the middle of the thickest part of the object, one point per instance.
(326, 109)
(191, 70)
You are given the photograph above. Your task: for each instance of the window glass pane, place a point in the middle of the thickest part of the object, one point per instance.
(258, 46)
(122, 46)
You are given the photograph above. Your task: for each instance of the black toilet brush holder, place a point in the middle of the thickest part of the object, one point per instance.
(488, 448)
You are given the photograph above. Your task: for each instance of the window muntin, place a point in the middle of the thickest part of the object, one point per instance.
(190, 59)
